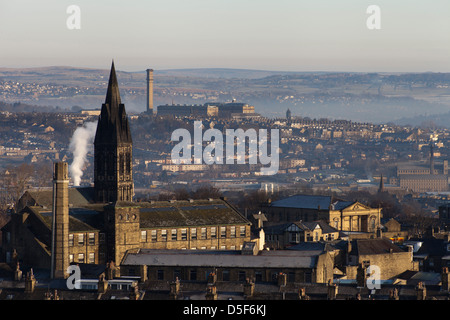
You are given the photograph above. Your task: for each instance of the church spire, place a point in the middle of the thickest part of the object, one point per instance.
(113, 94)
(113, 124)
(113, 173)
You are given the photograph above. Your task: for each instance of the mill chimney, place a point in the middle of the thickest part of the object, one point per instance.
(150, 91)
(60, 221)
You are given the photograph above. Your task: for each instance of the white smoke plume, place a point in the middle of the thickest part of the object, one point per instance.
(80, 144)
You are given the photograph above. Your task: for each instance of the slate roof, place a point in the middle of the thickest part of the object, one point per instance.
(185, 213)
(78, 197)
(221, 258)
(75, 225)
(319, 246)
(373, 246)
(302, 201)
(433, 247)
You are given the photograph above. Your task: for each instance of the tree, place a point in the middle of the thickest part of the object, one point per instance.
(205, 192)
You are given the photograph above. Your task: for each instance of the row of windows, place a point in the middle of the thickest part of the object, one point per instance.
(81, 258)
(83, 239)
(258, 275)
(182, 234)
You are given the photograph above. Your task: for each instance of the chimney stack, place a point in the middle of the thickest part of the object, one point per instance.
(150, 91)
(431, 158)
(60, 221)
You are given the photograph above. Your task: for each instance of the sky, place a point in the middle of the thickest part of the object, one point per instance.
(281, 35)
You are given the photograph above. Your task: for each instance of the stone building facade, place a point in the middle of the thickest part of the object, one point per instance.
(342, 215)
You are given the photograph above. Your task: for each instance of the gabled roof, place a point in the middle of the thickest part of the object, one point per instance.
(78, 197)
(75, 224)
(304, 226)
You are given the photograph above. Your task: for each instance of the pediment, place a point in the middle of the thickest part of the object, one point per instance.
(357, 206)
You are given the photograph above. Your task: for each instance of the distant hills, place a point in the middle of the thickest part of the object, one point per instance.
(407, 98)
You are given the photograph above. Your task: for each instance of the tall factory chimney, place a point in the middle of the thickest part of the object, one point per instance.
(60, 221)
(431, 158)
(149, 90)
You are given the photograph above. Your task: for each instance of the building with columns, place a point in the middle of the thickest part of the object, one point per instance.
(346, 216)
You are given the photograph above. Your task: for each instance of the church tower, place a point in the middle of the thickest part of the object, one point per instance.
(113, 174)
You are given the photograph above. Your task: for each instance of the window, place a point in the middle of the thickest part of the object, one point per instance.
(70, 258)
(294, 237)
(81, 257)
(160, 275)
(174, 234)
(241, 276)
(194, 233)
(163, 235)
(291, 277)
(193, 274)
(154, 235)
(225, 275)
(91, 258)
(70, 240)
(91, 239)
(183, 234)
(233, 232)
(144, 236)
(223, 247)
(213, 232)
(203, 233)
(128, 160)
(308, 277)
(242, 231)
(81, 239)
(336, 223)
(101, 237)
(223, 232)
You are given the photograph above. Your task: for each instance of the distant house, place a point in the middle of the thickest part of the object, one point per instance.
(392, 230)
(433, 254)
(390, 259)
(289, 234)
(229, 266)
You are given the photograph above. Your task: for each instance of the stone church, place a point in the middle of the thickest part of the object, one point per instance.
(52, 229)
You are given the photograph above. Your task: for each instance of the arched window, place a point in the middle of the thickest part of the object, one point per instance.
(372, 223)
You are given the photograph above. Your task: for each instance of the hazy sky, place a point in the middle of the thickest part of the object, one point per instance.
(291, 35)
